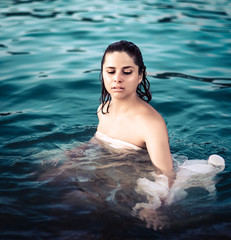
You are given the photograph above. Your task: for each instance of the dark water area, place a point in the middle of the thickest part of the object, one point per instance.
(50, 53)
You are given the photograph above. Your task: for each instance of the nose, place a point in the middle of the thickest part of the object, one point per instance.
(118, 78)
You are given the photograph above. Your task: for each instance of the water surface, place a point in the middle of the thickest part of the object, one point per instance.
(50, 54)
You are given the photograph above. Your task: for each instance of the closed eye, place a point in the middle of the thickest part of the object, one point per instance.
(127, 73)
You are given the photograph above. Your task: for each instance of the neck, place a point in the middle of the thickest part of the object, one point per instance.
(121, 106)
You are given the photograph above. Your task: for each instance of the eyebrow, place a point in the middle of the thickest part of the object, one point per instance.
(122, 67)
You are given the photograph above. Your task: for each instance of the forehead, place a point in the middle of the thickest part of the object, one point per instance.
(118, 59)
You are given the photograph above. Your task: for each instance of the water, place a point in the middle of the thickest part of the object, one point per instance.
(50, 54)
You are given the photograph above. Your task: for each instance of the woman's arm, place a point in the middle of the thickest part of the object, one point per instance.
(157, 143)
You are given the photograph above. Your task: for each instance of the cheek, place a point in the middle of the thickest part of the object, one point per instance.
(106, 83)
(135, 79)
(105, 79)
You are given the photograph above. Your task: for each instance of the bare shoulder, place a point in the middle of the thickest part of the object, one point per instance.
(151, 116)
(151, 121)
(100, 108)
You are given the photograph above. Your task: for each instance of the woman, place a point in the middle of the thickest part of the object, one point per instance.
(124, 113)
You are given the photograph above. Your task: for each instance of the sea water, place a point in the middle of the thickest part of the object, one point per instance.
(55, 182)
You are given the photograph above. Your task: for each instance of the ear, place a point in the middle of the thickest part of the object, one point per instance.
(140, 77)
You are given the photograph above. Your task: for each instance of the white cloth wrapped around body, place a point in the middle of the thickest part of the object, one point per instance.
(192, 173)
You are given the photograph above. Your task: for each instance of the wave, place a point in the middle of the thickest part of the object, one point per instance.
(223, 82)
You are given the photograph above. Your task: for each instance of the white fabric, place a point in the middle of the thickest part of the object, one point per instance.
(192, 173)
(115, 143)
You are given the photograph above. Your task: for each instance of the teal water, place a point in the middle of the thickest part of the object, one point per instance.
(50, 54)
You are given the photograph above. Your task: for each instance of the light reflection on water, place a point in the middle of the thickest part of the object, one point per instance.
(50, 54)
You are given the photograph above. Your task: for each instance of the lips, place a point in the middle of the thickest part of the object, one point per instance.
(118, 88)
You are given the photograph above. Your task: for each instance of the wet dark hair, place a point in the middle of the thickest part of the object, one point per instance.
(133, 51)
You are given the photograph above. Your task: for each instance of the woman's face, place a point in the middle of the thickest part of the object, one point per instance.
(121, 75)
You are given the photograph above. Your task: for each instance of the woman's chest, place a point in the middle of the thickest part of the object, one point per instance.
(125, 129)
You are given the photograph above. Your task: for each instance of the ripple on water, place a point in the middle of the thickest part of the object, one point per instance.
(50, 54)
